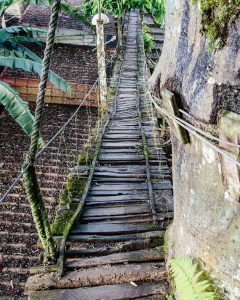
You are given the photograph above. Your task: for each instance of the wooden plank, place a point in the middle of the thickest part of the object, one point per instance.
(119, 187)
(121, 136)
(121, 217)
(121, 221)
(97, 276)
(102, 179)
(76, 250)
(120, 157)
(117, 192)
(116, 202)
(120, 169)
(140, 196)
(118, 258)
(117, 210)
(119, 144)
(120, 150)
(110, 228)
(106, 292)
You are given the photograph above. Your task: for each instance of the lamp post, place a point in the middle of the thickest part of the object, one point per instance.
(99, 21)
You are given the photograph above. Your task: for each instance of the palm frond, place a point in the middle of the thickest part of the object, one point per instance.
(18, 109)
(36, 67)
(189, 281)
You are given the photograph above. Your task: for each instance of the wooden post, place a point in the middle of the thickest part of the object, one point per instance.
(170, 104)
(99, 22)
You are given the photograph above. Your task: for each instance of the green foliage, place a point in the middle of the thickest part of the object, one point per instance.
(147, 38)
(17, 108)
(156, 8)
(15, 55)
(216, 16)
(74, 12)
(191, 282)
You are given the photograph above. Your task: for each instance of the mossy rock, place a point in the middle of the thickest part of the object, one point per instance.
(216, 15)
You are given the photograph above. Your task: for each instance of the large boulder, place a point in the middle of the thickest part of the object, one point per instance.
(206, 185)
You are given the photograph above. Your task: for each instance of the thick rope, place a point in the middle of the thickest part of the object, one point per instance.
(43, 80)
(29, 177)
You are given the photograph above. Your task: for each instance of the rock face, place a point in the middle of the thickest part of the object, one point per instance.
(206, 185)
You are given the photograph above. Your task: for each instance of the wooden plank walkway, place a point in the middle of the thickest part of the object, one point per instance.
(111, 250)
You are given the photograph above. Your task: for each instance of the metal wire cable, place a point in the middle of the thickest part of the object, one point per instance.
(53, 138)
(194, 132)
(209, 136)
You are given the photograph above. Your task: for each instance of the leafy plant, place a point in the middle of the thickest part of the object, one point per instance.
(15, 55)
(17, 108)
(191, 282)
(147, 38)
(156, 8)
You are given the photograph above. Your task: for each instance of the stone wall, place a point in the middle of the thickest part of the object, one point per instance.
(206, 186)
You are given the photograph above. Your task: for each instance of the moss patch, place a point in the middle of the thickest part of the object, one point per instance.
(85, 159)
(74, 188)
(216, 16)
(61, 222)
(76, 185)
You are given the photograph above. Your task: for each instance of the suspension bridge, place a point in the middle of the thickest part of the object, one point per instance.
(113, 250)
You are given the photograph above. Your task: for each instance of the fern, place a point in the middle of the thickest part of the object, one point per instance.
(190, 282)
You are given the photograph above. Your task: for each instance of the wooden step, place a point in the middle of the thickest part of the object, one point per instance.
(118, 258)
(97, 276)
(106, 292)
(111, 228)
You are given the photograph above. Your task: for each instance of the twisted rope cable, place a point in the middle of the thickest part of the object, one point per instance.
(29, 177)
(43, 81)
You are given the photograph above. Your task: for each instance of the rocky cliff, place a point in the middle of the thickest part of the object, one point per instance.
(206, 185)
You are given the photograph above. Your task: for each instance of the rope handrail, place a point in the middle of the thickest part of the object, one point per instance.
(192, 130)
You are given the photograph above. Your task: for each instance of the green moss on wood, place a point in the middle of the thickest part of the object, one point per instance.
(145, 151)
(74, 188)
(85, 159)
(61, 222)
(216, 16)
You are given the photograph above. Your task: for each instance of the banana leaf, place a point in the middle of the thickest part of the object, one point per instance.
(16, 50)
(18, 109)
(36, 67)
(8, 32)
